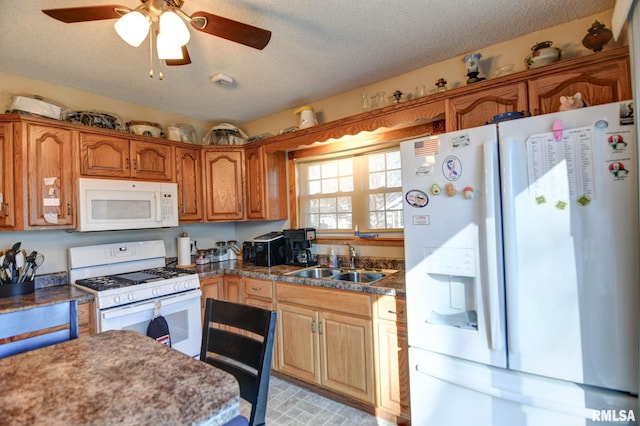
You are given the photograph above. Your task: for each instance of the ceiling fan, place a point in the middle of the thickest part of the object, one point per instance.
(150, 13)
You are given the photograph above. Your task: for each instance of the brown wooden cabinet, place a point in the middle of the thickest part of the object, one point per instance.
(266, 184)
(234, 288)
(212, 288)
(86, 319)
(189, 180)
(7, 201)
(599, 83)
(224, 188)
(475, 109)
(392, 362)
(121, 157)
(325, 337)
(49, 171)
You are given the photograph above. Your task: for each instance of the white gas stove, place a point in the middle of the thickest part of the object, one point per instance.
(131, 285)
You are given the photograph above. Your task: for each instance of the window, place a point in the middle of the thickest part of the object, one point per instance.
(339, 193)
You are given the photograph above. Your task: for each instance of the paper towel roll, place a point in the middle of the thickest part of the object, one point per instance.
(184, 251)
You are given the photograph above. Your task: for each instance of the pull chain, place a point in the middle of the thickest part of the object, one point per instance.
(160, 75)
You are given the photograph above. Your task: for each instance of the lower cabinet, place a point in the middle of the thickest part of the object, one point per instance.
(392, 361)
(325, 337)
(86, 319)
(211, 287)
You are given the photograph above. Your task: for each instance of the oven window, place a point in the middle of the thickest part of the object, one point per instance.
(120, 209)
(178, 326)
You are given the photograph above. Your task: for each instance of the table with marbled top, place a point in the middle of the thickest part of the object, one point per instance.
(114, 378)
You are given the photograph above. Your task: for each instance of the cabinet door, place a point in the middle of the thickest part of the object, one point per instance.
(233, 288)
(49, 171)
(189, 179)
(102, 155)
(7, 200)
(347, 355)
(86, 319)
(475, 109)
(393, 368)
(266, 184)
(255, 173)
(224, 188)
(211, 288)
(152, 160)
(298, 349)
(599, 83)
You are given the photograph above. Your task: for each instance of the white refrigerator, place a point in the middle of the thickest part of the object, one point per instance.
(521, 248)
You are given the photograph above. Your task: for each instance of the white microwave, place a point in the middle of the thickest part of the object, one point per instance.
(108, 205)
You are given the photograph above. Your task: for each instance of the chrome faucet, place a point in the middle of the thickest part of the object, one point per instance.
(352, 255)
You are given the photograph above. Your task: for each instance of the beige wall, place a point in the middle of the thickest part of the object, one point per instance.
(567, 37)
(77, 100)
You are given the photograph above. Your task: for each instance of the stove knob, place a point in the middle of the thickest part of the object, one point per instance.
(131, 297)
(176, 286)
(155, 291)
(117, 299)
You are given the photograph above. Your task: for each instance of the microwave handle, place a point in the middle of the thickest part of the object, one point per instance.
(158, 207)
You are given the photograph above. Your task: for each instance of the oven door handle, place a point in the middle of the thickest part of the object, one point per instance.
(148, 305)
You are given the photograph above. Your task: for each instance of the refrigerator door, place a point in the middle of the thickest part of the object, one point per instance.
(571, 245)
(447, 391)
(453, 253)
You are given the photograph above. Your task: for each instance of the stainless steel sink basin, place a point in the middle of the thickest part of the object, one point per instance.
(359, 276)
(362, 276)
(315, 273)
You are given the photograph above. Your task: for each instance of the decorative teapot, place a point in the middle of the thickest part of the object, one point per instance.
(307, 116)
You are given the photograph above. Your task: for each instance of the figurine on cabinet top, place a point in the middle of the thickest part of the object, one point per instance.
(571, 102)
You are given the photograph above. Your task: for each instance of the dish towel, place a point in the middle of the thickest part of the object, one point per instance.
(158, 327)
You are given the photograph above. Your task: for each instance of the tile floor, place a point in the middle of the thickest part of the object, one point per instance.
(292, 405)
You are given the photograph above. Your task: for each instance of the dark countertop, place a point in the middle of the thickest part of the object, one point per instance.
(44, 296)
(393, 285)
(114, 378)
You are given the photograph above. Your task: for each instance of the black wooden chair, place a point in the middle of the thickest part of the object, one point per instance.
(247, 356)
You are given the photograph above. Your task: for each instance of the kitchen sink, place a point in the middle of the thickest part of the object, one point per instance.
(359, 276)
(315, 272)
(362, 276)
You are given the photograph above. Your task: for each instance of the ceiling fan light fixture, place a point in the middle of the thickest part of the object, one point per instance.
(167, 48)
(172, 25)
(133, 27)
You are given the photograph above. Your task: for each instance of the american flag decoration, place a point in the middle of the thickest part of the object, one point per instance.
(426, 146)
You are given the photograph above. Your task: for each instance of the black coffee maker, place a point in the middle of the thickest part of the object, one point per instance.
(297, 246)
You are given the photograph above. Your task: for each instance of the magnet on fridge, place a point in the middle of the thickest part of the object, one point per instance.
(584, 200)
(436, 189)
(467, 193)
(540, 199)
(451, 191)
(561, 205)
(558, 127)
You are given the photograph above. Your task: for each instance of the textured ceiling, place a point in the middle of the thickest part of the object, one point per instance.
(319, 48)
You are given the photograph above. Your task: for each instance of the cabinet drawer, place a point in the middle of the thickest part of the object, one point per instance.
(258, 288)
(392, 308)
(348, 302)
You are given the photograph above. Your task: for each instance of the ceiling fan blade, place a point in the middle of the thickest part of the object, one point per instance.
(231, 30)
(186, 60)
(87, 13)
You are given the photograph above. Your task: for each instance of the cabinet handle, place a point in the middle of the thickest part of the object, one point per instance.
(256, 288)
(127, 164)
(313, 326)
(135, 164)
(319, 327)
(395, 312)
(5, 209)
(68, 209)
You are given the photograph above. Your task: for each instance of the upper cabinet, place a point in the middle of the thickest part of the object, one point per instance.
(189, 180)
(121, 157)
(266, 184)
(475, 109)
(7, 184)
(224, 187)
(49, 166)
(599, 83)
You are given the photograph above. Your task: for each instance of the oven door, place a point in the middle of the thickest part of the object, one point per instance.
(182, 312)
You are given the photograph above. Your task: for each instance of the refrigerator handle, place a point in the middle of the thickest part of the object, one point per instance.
(493, 279)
